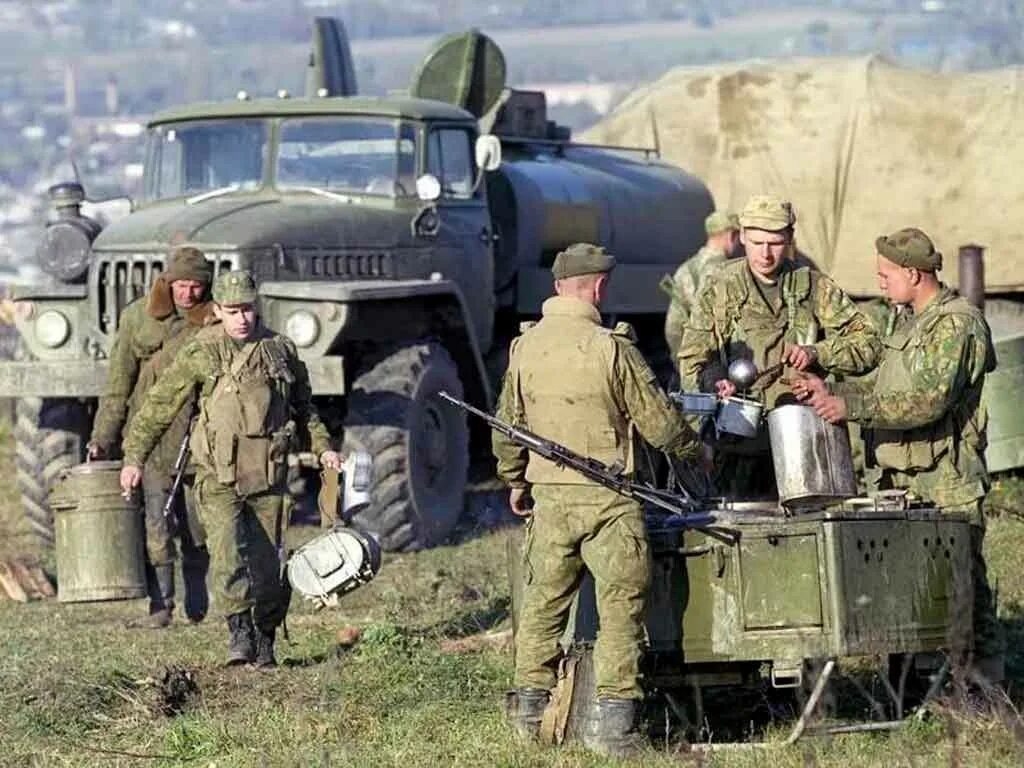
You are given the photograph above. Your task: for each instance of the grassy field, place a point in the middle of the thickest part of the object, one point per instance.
(76, 688)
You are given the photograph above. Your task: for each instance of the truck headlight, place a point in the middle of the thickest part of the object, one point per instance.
(52, 328)
(302, 327)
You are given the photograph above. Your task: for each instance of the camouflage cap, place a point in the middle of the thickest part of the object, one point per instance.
(188, 263)
(236, 287)
(767, 212)
(582, 259)
(721, 221)
(910, 247)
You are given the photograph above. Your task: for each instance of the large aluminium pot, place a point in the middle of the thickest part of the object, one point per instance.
(99, 534)
(812, 458)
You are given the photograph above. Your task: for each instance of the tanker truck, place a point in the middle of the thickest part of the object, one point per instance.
(398, 241)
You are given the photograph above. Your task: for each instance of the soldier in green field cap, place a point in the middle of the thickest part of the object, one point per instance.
(921, 411)
(723, 231)
(254, 406)
(588, 387)
(150, 333)
(768, 309)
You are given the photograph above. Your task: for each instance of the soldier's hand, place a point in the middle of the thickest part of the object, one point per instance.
(799, 356)
(95, 451)
(725, 388)
(831, 408)
(807, 386)
(331, 460)
(521, 501)
(131, 478)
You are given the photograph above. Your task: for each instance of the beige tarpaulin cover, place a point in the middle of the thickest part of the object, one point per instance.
(861, 146)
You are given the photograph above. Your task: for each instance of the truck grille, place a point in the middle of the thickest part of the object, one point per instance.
(316, 263)
(119, 279)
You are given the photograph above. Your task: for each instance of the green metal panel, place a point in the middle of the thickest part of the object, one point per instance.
(1002, 398)
(781, 584)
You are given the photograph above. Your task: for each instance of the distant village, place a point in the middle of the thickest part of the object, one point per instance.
(79, 78)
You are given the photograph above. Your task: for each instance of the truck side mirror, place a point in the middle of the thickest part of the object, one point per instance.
(428, 188)
(488, 152)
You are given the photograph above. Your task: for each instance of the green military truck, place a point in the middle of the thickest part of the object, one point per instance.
(397, 241)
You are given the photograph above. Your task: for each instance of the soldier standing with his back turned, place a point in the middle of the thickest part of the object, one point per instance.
(149, 335)
(921, 412)
(572, 381)
(254, 403)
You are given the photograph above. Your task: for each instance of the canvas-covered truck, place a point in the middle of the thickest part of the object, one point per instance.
(397, 241)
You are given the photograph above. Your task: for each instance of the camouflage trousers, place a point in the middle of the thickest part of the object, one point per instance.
(160, 534)
(575, 527)
(243, 534)
(989, 638)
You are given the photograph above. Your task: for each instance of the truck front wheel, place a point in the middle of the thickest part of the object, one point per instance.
(49, 437)
(419, 444)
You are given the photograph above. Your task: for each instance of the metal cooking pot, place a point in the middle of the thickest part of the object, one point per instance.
(812, 458)
(699, 403)
(739, 416)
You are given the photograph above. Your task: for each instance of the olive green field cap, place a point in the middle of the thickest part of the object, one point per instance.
(910, 247)
(236, 287)
(767, 212)
(188, 263)
(582, 259)
(721, 221)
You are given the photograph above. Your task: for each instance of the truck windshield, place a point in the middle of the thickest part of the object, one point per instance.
(204, 156)
(347, 154)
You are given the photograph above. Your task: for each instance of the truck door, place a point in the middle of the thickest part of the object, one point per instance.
(465, 243)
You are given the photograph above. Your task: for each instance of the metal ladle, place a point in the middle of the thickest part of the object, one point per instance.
(742, 373)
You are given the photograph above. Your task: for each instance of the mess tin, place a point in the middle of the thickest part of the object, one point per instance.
(739, 416)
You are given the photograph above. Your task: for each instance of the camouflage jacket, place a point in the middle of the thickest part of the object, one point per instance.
(587, 387)
(732, 319)
(255, 404)
(921, 409)
(150, 333)
(684, 287)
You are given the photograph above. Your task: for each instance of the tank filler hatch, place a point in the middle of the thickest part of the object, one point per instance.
(466, 69)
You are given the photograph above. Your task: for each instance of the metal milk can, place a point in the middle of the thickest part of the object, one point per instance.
(812, 459)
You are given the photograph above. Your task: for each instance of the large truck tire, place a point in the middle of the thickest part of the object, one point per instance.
(49, 437)
(419, 444)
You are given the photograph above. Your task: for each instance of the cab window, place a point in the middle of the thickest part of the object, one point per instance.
(450, 159)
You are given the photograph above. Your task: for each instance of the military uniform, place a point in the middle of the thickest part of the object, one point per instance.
(684, 286)
(589, 388)
(921, 413)
(739, 315)
(254, 403)
(150, 333)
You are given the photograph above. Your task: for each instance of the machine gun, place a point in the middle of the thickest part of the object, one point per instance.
(180, 462)
(679, 505)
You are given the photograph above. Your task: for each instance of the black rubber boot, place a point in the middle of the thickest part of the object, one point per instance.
(241, 639)
(611, 728)
(195, 563)
(161, 598)
(265, 648)
(524, 708)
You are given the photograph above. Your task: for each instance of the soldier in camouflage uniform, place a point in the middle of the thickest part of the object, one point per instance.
(149, 335)
(254, 403)
(723, 230)
(766, 309)
(921, 412)
(587, 387)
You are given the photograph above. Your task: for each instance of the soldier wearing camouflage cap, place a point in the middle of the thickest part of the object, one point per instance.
(769, 310)
(151, 332)
(254, 404)
(921, 410)
(723, 231)
(573, 381)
